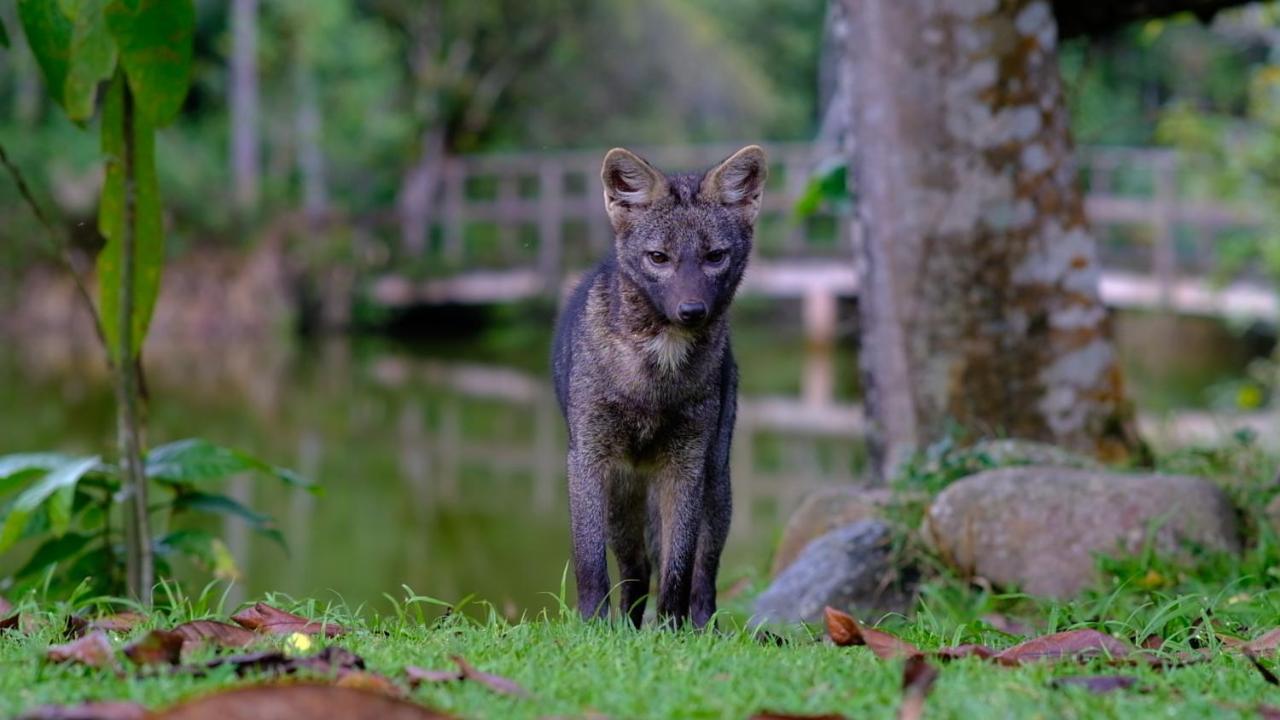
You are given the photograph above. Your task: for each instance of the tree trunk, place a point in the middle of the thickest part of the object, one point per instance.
(245, 151)
(315, 194)
(980, 305)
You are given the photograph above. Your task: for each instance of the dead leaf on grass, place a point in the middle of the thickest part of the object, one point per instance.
(120, 622)
(918, 677)
(790, 716)
(87, 711)
(968, 650)
(158, 647)
(845, 630)
(465, 671)
(267, 620)
(198, 632)
(1078, 644)
(298, 701)
(93, 650)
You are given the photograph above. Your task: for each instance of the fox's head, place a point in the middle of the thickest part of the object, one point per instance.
(684, 239)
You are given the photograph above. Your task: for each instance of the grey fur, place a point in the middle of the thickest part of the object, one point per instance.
(649, 391)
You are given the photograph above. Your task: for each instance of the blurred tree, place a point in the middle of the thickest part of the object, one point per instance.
(243, 83)
(980, 304)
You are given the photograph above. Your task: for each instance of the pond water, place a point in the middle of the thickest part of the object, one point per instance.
(442, 464)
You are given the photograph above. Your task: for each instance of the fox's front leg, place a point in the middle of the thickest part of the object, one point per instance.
(680, 506)
(587, 522)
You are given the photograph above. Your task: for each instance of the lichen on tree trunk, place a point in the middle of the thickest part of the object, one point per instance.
(980, 305)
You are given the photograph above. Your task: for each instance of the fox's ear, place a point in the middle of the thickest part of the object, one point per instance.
(630, 183)
(739, 181)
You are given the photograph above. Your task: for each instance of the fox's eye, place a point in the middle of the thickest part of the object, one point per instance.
(658, 258)
(715, 257)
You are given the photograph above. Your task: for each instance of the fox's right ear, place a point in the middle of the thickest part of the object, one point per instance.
(630, 183)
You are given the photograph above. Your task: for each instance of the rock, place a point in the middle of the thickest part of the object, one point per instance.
(1039, 528)
(821, 512)
(843, 568)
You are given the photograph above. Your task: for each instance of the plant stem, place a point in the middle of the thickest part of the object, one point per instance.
(139, 567)
(61, 248)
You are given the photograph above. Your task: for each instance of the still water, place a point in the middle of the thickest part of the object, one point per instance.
(442, 464)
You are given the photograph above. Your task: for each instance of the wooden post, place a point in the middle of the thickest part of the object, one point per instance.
(508, 196)
(550, 223)
(1164, 261)
(454, 197)
(820, 316)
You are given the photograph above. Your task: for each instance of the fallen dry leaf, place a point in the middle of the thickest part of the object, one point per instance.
(158, 647)
(1269, 712)
(1078, 644)
(87, 711)
(1265, 643)
(6, 607)
(845, 630)
(198, 632)
(1097, 684)
(964, 651)
(262, 618)
(1007, 625)
(298, 701)
(119, 622)
(76, 626)
(93, 650)
(918, 677)
(329, 661)
(10, 622)
(1152, 642)
(465, 671)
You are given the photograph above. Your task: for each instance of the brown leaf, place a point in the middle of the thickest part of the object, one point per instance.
(119, 622)
(493, 682)
(93, 650)
(262, 618)
(87, 711)
(10, 622)
(6, 607)
(918, 677)
(1261, 645)
(197, 632)
(1079, 644)
(75, 627)
(158, 647)
(1269, 712)
(1152, 642)
(329, 661)
(298, 701)
(964, 651)
(844, 630)
(1097, 684)
(417, 675)
(1007, 625)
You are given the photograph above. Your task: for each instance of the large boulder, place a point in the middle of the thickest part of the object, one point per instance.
(1040, 528)
(844, 568)
(821, 512)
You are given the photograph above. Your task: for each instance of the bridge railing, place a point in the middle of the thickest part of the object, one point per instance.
(512, 226)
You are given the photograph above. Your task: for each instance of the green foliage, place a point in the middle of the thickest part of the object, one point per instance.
(49, 33)
(92, 59)
(4, 35)
(155, 40)
(61, 507)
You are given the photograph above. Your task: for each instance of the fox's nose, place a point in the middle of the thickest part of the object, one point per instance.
(692, 311)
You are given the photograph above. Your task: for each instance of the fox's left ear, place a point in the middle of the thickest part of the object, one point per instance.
(739, 181)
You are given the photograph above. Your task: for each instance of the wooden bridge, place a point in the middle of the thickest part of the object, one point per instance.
(512, 227)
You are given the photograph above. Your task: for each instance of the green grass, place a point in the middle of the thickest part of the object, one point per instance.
(575, 669)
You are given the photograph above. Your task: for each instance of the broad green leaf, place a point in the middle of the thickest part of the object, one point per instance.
(204, 548)
(23, 462)
(58, 486)
(148, 236)
(196, 460)
(155, 42)
(4, 35)
(54, 551)
(214, 504)
(48, 33)
(92, 59)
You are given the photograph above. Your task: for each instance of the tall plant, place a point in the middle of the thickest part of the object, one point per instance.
(142, 50)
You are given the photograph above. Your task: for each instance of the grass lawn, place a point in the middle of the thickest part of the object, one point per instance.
(575, 669)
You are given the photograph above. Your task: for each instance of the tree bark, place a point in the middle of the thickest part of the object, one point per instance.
(980, 306)
(315, 193)
(245, 147)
